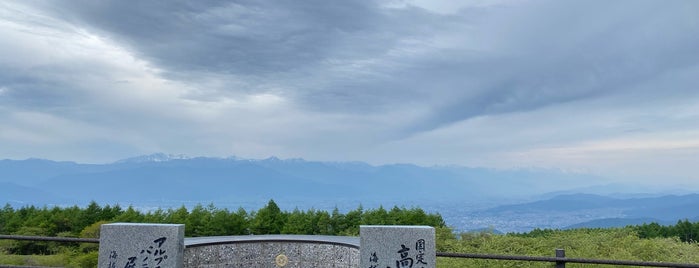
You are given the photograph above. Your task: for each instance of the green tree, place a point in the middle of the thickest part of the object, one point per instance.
(650, 230)
(156, 216)
(178, 216)
(297, 222)
(352, 221)
(6, 214)
(268, 220)
(322, 222)
(225, 222)
(338, 221)
(130, 215)
(377, 216)
(197, 221)
(14, 221)
(685, 231)
(110, 212)
(61, 220)
(91, 214)
(239, 222)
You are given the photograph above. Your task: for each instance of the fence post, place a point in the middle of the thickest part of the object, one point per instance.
(560, 253)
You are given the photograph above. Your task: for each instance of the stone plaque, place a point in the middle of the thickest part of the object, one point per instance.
(136, 245)
(397, 247)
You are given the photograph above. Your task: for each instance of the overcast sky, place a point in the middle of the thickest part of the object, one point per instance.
(604, 87)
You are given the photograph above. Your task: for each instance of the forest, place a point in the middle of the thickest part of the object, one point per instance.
(648, 242)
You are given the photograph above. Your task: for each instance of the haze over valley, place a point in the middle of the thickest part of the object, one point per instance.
(468, 198)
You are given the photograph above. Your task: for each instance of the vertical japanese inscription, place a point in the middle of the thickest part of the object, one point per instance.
(397, 247)
(112, 259)
(154, 255)
(151, 257)
(420, 247)
(141, 246)
(373, 260)
(405, 261)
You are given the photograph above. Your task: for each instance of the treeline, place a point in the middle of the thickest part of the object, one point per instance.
(648, 242)
(684, 230)
(207, 220)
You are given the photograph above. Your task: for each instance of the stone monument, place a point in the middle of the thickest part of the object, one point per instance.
(397, 247)
(135, 245)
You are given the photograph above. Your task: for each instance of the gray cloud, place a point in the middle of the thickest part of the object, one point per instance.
(230, 37)
(296, 45)
(538, 54)
(574, 51)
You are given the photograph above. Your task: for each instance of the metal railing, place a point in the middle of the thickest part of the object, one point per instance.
(44, 239)
(560, 259)
(51, 239)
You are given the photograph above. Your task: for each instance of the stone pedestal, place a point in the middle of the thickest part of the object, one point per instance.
(134, 245)
(397, 246)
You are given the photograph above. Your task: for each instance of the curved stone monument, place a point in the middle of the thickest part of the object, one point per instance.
(272, 251)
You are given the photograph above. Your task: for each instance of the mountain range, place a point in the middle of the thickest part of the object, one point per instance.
(158, 177)
(468, 198)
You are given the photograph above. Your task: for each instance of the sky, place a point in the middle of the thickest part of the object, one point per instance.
(601, 87)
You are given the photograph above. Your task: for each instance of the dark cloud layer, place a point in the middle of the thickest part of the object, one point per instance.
(265, 40)
(538, 55)
(230, 37)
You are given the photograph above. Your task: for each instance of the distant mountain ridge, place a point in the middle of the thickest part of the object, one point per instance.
(178, 177)
(592, 201)
(617, 223)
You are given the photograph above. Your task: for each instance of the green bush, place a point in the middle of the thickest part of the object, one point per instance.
(611, 244)
(87, 260)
